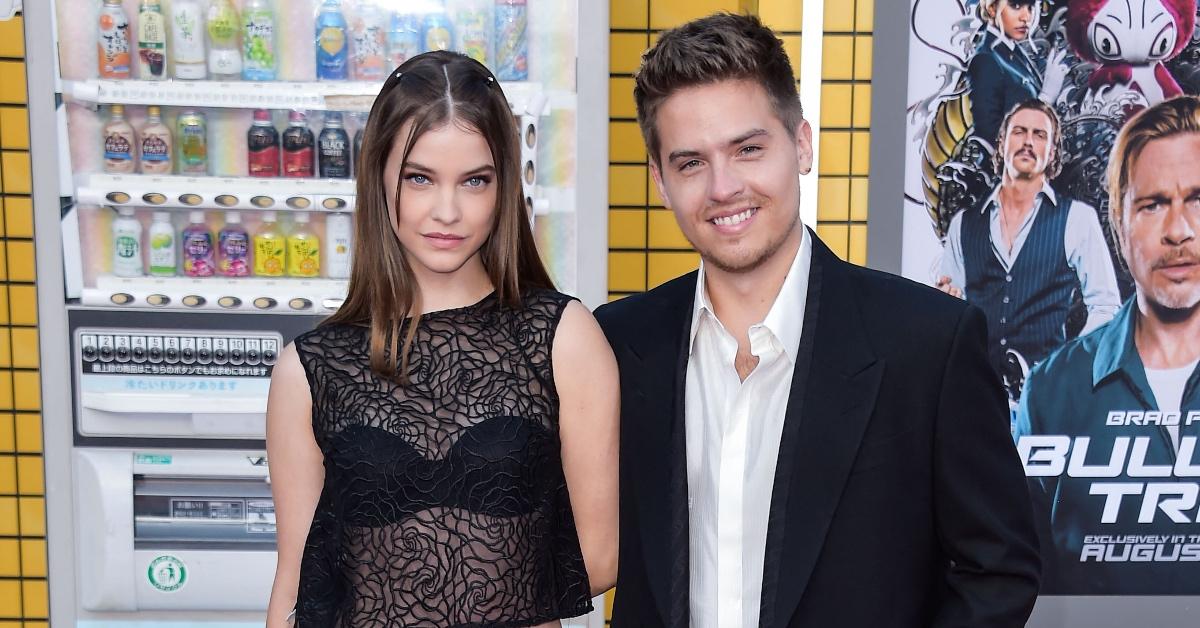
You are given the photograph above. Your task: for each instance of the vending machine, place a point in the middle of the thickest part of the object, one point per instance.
(201, 155)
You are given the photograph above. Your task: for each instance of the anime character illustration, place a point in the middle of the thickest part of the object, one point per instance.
(1129, 42)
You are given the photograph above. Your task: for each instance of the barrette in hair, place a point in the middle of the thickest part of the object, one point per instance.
(399, 74)
(491, 79)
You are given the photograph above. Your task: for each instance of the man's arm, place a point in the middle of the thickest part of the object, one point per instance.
(982, 510)
(1087, 253)
(952, 277)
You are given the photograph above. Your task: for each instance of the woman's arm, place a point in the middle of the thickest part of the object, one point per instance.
(297, 474)
(585, 374)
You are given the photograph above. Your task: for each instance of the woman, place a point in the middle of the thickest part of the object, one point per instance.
(1001, 73)
(443, 449)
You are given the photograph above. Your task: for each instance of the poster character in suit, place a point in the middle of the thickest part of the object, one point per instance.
(1144, 361)
(804, 442)
(1028, 250)
(1001, 72)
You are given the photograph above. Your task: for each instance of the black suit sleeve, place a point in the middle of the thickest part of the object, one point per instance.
(633, 604)
(981, 504)
(989, 99)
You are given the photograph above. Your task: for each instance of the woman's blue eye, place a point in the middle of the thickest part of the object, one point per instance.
(477, 182)
(419, 179)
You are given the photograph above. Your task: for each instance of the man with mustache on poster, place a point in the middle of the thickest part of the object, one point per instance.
(1023, 254)
(1130, 386)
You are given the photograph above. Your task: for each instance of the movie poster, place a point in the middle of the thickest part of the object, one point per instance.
(1015, 108)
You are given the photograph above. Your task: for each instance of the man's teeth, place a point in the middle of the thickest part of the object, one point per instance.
(729, 221)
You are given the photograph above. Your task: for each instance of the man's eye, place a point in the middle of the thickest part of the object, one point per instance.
(748, 150)
(691, 163)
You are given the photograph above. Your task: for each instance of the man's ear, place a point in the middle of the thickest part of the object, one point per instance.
(804, 149)
(656, 174)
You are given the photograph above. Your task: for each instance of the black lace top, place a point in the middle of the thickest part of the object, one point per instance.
(444, 501)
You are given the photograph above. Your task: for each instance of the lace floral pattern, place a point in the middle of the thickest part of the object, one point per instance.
(444, 501)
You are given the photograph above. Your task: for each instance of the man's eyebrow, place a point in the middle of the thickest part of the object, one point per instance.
(1157, 197)
(682, 153)
(748, 135)
(689, 153)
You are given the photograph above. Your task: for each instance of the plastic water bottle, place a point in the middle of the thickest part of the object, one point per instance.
(368, 43)
(474, 21)
(438, 30)
(127, 244)
(224, 52)
(339, 244)
(404, 38)
(258, 41)
(333, 54)
(512, 43)
(162, 246)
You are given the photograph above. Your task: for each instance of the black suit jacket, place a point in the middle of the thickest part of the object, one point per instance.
(899, 500)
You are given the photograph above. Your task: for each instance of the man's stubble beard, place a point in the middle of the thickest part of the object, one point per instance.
(773, 246)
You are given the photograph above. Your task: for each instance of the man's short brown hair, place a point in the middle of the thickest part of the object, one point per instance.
(720, 47)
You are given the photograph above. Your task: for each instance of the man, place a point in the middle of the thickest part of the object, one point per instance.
(1027, 249)
(1144, 360)
(804, 442)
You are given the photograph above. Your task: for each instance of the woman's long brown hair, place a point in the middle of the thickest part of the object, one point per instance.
(432, 90)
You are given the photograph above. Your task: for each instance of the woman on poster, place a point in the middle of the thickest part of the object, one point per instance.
(1001, 72)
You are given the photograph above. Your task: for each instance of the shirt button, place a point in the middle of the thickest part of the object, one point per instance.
(1003, 320)
(1003, 342)
(1006, 299)
(1008, 278)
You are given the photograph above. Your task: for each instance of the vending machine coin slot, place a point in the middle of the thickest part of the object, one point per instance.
(138, 349)
(220, 351)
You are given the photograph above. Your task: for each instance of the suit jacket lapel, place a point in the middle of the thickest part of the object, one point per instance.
(833, 392)
(661, 493)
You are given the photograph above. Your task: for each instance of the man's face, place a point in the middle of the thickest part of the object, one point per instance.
(1015, 21)
(730, 172)
(1028, 144)
(1162, 220)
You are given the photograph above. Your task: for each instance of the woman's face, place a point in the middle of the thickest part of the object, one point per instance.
(448, 192)
(1013, 20)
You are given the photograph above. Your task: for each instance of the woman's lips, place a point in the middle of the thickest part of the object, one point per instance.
(443, 240)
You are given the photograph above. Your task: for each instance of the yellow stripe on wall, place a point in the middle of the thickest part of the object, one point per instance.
(23, 586)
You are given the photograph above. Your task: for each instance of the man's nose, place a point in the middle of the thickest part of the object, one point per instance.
(1181, 224)
(726, 184)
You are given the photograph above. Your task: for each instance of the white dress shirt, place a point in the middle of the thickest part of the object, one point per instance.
(733, 429)
(1083, 244)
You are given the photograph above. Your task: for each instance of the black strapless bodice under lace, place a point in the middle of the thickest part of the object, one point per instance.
(444, 501)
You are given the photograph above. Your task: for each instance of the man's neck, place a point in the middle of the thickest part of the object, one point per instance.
(743, 299)
(1017, 195)
(1165, 339)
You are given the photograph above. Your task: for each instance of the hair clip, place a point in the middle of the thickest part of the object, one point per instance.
(491, 79)
(398, 74)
